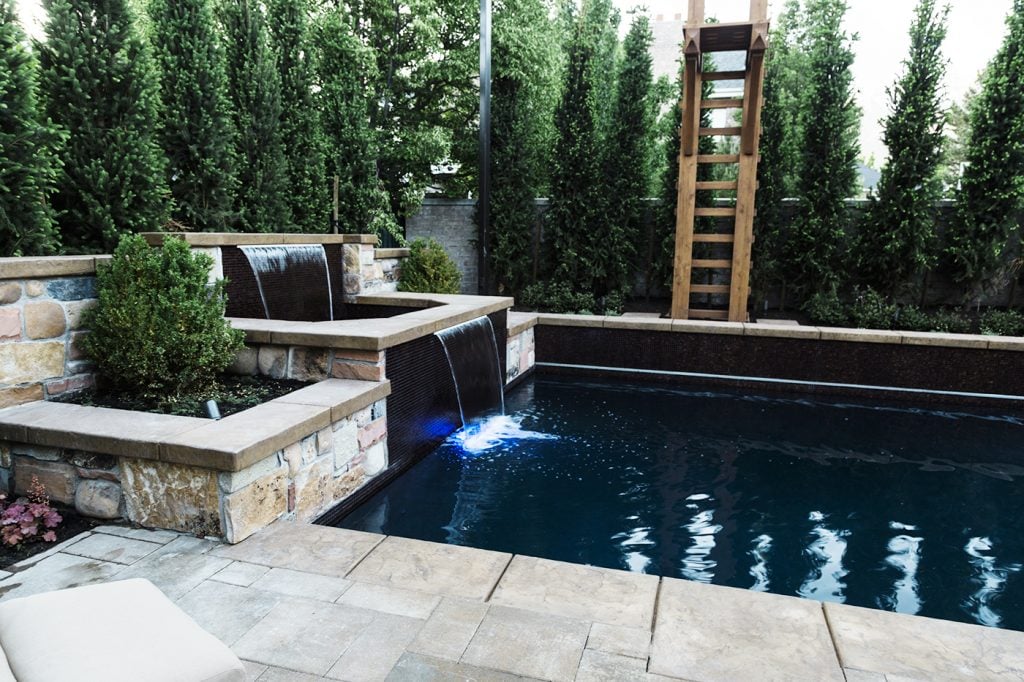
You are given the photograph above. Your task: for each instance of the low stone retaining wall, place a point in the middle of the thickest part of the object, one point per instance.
(521, 354)
(294, 457)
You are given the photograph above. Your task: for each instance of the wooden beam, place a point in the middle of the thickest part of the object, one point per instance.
(721, 131)
(712, 263)
(710, 289)
(698, 314)
(708, 238)
(724, 75)
(718, 158)
(715, 212)
(695, 14)
(758, 11)
(724, 103)
(686, 192)
(716, 184)
(690, 105)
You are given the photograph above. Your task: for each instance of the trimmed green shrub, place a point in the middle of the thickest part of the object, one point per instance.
(913, 319)
(429, 269)
(1002, 322)
(557, 297)
(825, 308)
(949, 322)
(159, 331)
(871, 310)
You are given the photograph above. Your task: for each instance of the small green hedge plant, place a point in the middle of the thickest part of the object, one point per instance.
(557, 297)
(1002, 322)
(158, 331)
(429, 269)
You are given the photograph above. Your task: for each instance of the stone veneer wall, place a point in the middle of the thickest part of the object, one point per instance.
(300, 481)
(521, 355)
(41, 328)
(305, 363)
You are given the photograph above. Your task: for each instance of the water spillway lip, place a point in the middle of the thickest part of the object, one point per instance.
(211, 239)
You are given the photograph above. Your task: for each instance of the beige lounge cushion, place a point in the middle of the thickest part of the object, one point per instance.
(123, 631)
(5, 669)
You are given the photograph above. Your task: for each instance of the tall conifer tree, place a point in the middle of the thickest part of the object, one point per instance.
(100, 86)
(28, 165)
(254, 88)
(197, 133)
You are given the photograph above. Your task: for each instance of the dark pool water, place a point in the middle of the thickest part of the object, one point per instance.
(882, 506)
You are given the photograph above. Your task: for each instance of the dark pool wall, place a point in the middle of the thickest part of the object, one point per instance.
(244, 292)
(870, 364)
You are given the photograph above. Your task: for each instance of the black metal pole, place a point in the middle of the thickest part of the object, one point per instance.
(483, 206)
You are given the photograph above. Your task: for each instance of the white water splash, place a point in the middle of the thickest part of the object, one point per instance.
(494, 431)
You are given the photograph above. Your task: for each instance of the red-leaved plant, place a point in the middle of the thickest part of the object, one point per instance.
(29, 518)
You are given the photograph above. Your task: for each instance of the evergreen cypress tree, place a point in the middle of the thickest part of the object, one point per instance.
(829, 123)
(100, 86)
(898, 233)
(992, 186)
(28, 165)
(254, 88)
(525, 58)
(628, 161)
(344, 62)
(196, 128)
(308, 189)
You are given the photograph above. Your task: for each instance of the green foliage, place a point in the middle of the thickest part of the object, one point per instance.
(829, 123)
(871, 310)
(1002, 322)
(629, 156)
(197, 133)
(158, 330)
(992, 186)
(308, 193)
(557, 297)
(826, 308)
(28, 164)
(254, 90)
(523, 89)
(949, 321)
(344, 61)
(429, 269)
(98, 81)
(897, 237)
(912, 318)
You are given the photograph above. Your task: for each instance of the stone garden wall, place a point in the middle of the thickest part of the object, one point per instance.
(42, 301)
(521, 355)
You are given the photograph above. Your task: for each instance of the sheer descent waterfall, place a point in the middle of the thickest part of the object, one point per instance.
(293, 279)
(472, 352)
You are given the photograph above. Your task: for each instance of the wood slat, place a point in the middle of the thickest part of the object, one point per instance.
(723, 103)
(713, 238)
(716, 184)
(718, 158)
(713, 264)
(721, 131)
(724, 75)
(709, 288)
(718, 212)
(700, 314)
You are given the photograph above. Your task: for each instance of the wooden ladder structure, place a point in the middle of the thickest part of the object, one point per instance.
(700, 38)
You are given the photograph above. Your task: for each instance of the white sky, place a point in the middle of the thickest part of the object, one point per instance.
(975, 31)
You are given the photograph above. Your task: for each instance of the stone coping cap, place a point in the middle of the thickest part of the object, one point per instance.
(520, 322)
(257, 239)
(785, 331)
(24, 267)
(230, 444)
(437, 311)
(380, 254)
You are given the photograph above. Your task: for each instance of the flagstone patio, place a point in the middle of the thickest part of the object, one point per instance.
(300, 602)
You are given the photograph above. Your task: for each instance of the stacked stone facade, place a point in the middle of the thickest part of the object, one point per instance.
(521, 355)
(369, 270)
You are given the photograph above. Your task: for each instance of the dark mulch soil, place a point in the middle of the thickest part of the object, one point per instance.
(72, 525)
(232, 393)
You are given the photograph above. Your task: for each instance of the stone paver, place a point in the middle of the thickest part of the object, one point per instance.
(301, 584)
(584, 592)
(176, 568)
(119, 550)
(253, 670)
(528, 643)
(227, 611)
(328, 551)
(57, 572)
(282, 675)
(418, 668)
(600, 666)
(303, 635)
(146, 534)
(434, 568)
(240, 573)
(614, 639)
(915, 647)
(854, 675)
(390, 600)
(372, 656)
(708, 632)
(449, 629)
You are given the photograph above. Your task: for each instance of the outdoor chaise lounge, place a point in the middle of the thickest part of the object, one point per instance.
(122, 631)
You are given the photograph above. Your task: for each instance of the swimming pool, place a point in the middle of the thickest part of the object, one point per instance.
(885, 506)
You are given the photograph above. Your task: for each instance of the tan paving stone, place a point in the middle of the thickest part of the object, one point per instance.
(303, 635)
(57, 572)
(854, 675)
(390, 600)
(302, 584)
(147, 534)
(227, 611)
(240, 573)
(377, 649)
(575, 591)
(177, 567)
(432, 567)
(915, 647)
(708, 632)
(113, 548)
(601, 666)
(528, 643)
(273, 674)
(615, 639)
(253, 670)
(304, 547)
(449, 629)
(419, 668)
